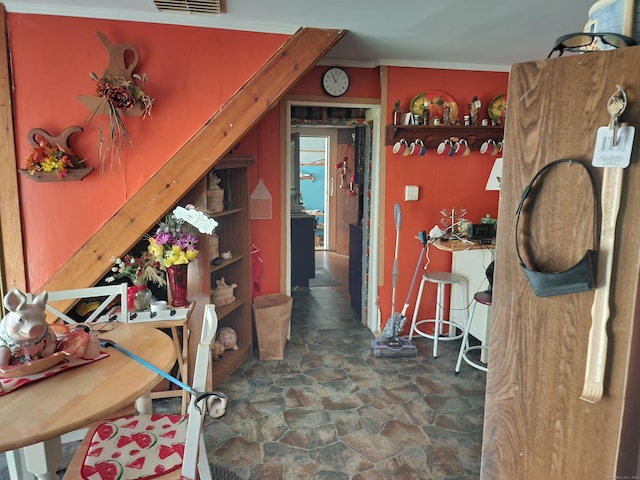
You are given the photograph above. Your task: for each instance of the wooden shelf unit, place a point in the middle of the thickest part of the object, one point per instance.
(234, 235)
(433, 135)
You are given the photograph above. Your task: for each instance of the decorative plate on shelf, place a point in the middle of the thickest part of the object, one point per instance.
(497, 108)
(436, 101)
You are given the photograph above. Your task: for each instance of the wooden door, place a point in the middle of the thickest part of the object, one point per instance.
(536, 426)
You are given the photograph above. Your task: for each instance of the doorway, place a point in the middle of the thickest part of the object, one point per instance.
(316, 184)
(370, 260)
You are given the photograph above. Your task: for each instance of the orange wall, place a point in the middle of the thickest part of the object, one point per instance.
(263, 142)
(191, 73)
(444, 182)
(363, 83)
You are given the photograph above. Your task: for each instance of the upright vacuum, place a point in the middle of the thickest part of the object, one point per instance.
(390, 344)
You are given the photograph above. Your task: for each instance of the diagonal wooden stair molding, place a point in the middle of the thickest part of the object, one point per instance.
(216, 138)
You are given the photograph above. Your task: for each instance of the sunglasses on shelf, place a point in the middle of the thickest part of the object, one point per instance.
(576, 42)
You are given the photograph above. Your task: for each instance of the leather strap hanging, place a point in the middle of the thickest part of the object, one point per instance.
(579, 278)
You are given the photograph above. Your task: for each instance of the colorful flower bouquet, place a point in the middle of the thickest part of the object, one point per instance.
(140, 270)
(47, 158)
(173, 243)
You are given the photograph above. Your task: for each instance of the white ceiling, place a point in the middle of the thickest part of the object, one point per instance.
(467, 34)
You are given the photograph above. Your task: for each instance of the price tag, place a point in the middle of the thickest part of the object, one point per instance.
(608, 155)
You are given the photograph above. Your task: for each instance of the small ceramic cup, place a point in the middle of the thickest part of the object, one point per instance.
(417, 148)
(463, 149)
(446, 148)
(489, 148)
(158, 306)
(400, 146)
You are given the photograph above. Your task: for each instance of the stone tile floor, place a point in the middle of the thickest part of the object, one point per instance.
(331, 410)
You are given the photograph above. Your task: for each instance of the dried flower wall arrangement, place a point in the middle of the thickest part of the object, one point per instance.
(119, 92)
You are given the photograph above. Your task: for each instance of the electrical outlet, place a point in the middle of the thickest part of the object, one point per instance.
(411, 193)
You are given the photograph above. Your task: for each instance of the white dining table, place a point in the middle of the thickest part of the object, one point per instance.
(34, 417)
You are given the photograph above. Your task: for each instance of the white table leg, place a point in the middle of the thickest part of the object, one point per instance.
(16, 465)
(144, 406)
(43, 459)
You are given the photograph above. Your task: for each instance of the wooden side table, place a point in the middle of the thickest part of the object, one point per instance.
(178, 324)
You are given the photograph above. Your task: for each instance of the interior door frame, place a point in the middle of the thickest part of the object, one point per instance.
(373, 116)
(331, 134)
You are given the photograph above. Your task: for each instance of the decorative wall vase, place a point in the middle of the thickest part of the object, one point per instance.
(74, 173)
(119, 92)
(177, 278)
(117, 67)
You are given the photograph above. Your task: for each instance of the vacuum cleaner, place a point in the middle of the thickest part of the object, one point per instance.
(390, 344)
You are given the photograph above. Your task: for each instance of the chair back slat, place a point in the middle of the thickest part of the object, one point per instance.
(107, 293)
(200, 373)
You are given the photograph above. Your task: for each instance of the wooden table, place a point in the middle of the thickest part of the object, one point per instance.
(74, 399)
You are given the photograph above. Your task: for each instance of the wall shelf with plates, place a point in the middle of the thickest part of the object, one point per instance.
(433, 135)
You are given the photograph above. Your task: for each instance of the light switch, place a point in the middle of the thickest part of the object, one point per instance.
(411, 193)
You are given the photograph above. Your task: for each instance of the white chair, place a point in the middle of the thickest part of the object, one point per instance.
(442, 279)
(106, 444)
(104, 294)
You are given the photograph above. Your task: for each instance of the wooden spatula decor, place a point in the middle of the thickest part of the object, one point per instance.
(614, 145)
(118, 92)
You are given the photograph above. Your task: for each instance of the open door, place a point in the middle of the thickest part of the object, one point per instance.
(536, 425)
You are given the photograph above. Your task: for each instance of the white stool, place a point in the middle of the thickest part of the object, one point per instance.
(442, 279)
(483, 298)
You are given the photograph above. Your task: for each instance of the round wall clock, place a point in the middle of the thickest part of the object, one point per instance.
(335, 81)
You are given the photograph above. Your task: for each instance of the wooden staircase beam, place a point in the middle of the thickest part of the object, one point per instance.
(12, 268)
(192, 162)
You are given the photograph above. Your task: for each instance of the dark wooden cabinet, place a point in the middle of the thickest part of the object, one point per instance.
(303, 260)
(355, 266)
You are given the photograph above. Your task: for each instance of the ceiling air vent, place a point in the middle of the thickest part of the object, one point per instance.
(191, 6)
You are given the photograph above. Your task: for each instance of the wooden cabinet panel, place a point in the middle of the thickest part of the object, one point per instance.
(303, 260)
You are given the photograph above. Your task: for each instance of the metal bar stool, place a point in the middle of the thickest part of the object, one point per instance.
(483, 298)
(442, 279)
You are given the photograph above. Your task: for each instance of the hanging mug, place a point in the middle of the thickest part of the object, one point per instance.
(489, 148)
(463, 148)
(446, 148)
(417, 148)
(400, 147)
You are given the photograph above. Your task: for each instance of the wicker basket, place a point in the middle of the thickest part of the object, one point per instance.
(215, 200)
